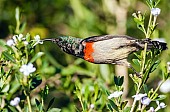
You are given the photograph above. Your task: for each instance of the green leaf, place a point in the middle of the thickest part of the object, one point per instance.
(38, 105)
(8, 56)
(2, 43)
(118, 80)
(121, 81)
(149, 4)
(14, 86)
(17, 14)
(154, 66)
(5, 88)
(156, 3)
(127, 109)
(13, 109)
(50, 104)
(54, 110)
(145, 87)
(23, 27)
(166, 76)
(99, 95)
(9, 48)
(123, 104)
(2, 71)
(139, 26)
(136, 62)
(113, 105)
(138, 56)
(110, 107)
(107, 92)
(138, 21)
(45, 92)
(85, 105)
(160, 97)
(38, 55)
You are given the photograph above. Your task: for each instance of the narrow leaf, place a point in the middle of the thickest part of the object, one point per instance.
(13, 109)
(8, 56)
(136, 62)
(38, 55)
(110, 107)
(123, 104)
(160, 97)
(127, 109)
(121, 81)
(154, 66)
(114, 105)
(50, 104)
(145, 87)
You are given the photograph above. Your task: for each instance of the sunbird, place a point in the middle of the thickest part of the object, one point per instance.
(105, 49)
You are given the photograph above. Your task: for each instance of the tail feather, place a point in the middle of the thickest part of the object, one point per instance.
(159, 45)
(152, 44)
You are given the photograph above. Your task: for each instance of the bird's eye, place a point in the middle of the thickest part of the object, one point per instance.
(60, 39)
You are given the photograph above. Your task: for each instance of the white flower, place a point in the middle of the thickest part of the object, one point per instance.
(15, 101)
(139, 12)
(151, 109)
(27, 69)
(37, 37)
(115, 94)
(37, 40)
(25, 43)
(20, 36)
(160, 105)
(165, 87)
(92, 106)
(139, 96)
(168, 63)
(17, 38)
(10, 42)
(145, 100)
(134, 15)
(155, 11)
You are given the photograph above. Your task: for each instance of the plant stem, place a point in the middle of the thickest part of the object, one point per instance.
(133, 106)
(144, 59)
(147, 34)
(28, 101)
(29, 104)
(143, 107)
(157, 89)
(18, 108)
(154, 20)
(145, 48)
(148, 30)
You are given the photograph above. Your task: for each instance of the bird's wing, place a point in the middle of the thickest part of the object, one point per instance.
(106, 37)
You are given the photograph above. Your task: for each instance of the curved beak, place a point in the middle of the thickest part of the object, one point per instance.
(55, 40)
(47, 39)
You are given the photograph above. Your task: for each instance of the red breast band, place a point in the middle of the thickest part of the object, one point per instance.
(88, 50)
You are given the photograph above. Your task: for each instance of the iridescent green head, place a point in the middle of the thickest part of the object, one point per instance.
(69, 44)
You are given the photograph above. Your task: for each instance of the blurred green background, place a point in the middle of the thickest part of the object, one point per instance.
(79, 18)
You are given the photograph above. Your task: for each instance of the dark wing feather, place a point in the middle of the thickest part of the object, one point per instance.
(106, 37)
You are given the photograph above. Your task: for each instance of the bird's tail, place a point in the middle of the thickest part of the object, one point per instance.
(152, 44)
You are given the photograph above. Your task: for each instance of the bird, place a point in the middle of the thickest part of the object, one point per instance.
(105, 49)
